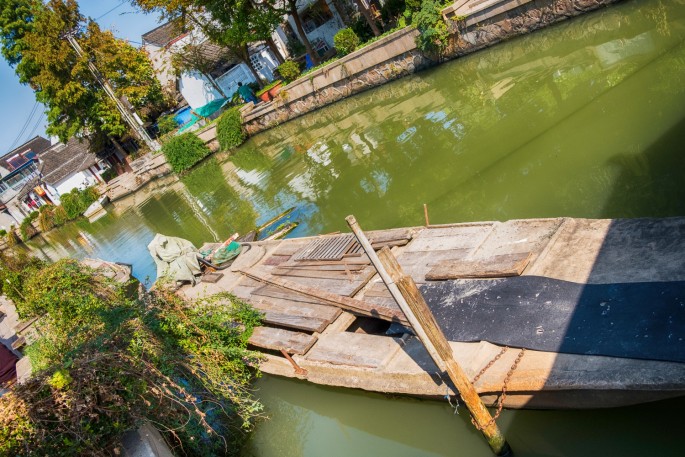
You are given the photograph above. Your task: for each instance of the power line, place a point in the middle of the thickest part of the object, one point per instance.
(109, 11)
(35, 128)
(23, 128)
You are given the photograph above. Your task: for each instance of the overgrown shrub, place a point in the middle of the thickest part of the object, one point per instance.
(184, 151)
(11, 238)
(59, 216)
(166, 124)
(77, 201)
(433, 34)
(345, 41)
(26, 228)
(289, 70)
(46, 217)
(104, 362)
(3, 233)
(229, 130)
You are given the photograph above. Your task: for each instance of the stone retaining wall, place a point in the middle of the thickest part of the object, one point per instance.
(396, 55)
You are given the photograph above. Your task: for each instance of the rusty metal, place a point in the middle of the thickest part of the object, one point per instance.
(491, 363)
(503, 396)
(298, 369)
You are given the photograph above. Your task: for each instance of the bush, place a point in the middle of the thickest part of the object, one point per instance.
(26, 228)
(3, 232)
(229, 130)
(11, 238)
(184, 151)
(104, 362)
(76, 202)
(60, 216)
(46, 218)
(345, 41)
(433, 34)
(166, 124)
(289, 70)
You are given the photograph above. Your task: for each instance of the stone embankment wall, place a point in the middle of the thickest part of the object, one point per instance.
(396, 55)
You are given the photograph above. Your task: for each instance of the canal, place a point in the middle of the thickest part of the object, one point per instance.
(584, 119)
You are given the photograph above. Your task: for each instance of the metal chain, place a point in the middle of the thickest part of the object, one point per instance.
(491, 363)
(503, 396)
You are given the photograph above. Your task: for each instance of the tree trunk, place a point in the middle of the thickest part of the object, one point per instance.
(342, 12)
(300, 31)
(245, 57)
(274, 50)
(215, 85)
(369, 18)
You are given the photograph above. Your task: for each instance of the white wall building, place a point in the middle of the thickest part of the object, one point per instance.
(199, 89)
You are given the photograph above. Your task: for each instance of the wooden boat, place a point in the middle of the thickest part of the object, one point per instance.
(598, 305)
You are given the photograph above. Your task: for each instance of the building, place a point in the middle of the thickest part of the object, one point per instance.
(69, 166)
(320, 21)
(197, 88)
(19, 176)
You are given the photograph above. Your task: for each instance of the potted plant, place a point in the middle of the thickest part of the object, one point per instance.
(275, 88)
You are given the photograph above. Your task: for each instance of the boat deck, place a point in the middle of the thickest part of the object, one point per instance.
(324, 304)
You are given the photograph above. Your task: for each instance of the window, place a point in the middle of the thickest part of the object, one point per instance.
(257, 63)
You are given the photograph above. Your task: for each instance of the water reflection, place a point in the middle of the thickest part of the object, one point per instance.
(583, 119)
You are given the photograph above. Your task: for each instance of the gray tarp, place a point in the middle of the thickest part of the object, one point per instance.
(176, 258)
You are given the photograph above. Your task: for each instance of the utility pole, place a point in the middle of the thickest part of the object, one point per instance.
(129, 118)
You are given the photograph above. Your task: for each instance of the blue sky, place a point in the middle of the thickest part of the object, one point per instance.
(18, 101)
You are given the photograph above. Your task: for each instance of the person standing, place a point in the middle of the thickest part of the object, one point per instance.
(247, 94)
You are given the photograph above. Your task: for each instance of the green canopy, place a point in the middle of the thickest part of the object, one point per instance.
(203, 111)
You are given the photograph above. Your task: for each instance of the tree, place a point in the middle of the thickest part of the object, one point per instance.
(33, 42)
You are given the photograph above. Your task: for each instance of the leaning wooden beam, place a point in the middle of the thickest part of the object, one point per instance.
(352, 305)
(409, 299)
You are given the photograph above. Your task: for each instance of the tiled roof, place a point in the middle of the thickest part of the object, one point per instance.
(163, 35)
(36, 144)
(63, 160)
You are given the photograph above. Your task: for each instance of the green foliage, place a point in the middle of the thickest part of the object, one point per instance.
(345, 41)
(11, 238)
(109, 174)
(26, 228)
(166, 124)
(59, 216)
(433, 34)
(362, 29)
(268, 87)
(105, 362)
(229, 130)
(184, 151)
(32, 42)
(289, 70)
(3, 232)
(76, 202)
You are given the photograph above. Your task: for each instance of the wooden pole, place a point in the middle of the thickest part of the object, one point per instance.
(425, 214)
(407, 295)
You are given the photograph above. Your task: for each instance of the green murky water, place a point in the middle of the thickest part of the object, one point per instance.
(584, 119)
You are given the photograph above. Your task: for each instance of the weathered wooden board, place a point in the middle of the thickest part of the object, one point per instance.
(460, 237)
(294, 308)
(339, 266)
(291, 246)
(279, 293)
(309, 324)
(498, 266)
(355, 349)
(212, 277)
(344, 302)
(381, 236)
(277, 339)
(349, 275)
(275, 260)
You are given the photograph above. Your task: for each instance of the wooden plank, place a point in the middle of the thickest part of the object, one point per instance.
(350, 304)
(212, 277)
(356, 260)
(293, 308)
(309, 324)
(277, 292)
(275, 260)
(381, 236)
(355, 349)
(462, 237)
(498, 266)
(277, 339)
(340, 266)
(290, 246)
(325, 274)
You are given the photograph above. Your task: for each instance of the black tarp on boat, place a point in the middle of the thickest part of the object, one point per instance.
(644, 320)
